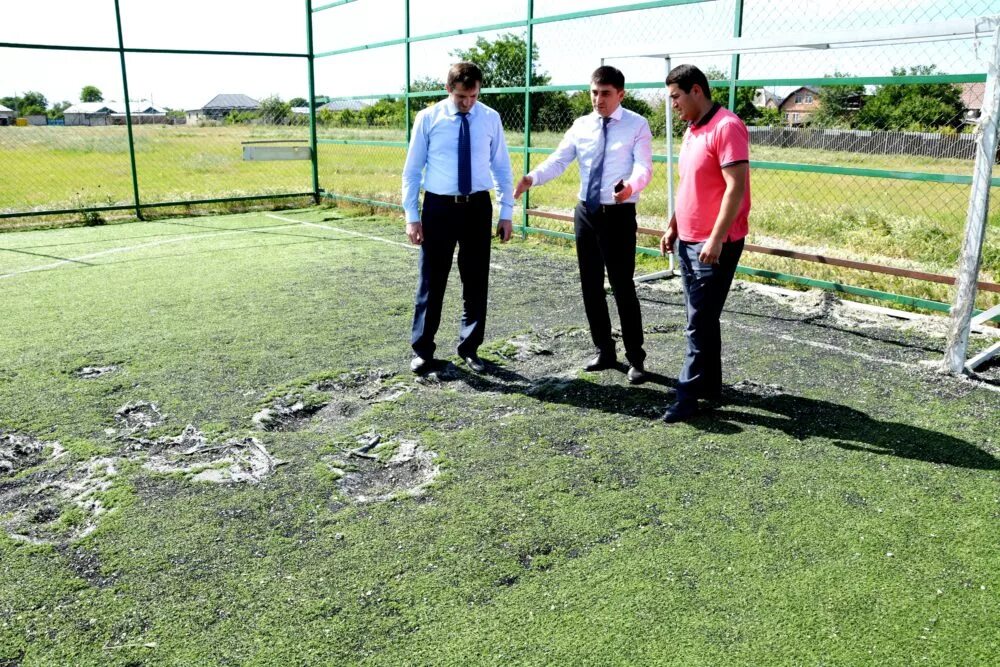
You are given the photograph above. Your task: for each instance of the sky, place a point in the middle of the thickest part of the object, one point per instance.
(569, 50)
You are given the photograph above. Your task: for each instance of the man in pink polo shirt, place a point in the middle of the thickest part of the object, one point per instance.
(709, 226)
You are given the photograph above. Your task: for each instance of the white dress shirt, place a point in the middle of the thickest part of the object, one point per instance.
(434, 146)
(628, 155)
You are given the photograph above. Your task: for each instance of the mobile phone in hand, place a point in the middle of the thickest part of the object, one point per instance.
(620, 185)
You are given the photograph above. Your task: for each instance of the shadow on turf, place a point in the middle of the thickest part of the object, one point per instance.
(797, 416)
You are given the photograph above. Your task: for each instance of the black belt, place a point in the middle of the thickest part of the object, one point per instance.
(611, 208)
(458, 199)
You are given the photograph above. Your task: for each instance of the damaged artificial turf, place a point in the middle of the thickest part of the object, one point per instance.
(840, 508)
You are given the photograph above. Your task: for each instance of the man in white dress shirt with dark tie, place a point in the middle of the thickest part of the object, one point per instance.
(457, 152)
(614, 149)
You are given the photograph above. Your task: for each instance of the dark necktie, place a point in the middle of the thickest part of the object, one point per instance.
(464, 155)
(597, 170)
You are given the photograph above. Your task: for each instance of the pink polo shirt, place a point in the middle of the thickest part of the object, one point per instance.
(720, 140)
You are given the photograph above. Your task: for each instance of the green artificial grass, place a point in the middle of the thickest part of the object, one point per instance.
(840, 508)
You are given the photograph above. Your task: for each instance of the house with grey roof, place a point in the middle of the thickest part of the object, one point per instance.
(221, 106)
(112, 113)
(7, 116)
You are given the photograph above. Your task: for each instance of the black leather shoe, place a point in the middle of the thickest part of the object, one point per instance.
(600, 363)
(421, 365)
(636, 374)
(474, 363)
(680, 411)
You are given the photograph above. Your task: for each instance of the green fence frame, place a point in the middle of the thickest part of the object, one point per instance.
(731, 84)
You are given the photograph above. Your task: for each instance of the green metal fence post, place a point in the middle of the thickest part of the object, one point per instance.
(128, 114)
(312, 102)
(735, 66)
(525, 202)
(406, 90)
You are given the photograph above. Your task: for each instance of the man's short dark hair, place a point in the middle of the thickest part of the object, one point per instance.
(466, 74)
(687, 76)
(606, 75)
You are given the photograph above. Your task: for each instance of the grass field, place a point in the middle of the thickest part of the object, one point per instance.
(901, 223)
(840, 508)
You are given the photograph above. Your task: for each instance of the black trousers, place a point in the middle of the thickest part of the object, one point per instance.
(606, 240)
(445, 224)
(706, 287)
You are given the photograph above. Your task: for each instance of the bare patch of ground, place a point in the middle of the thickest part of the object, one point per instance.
(135, 417)
(237, 460)
(755, 388)
(20, 452)
(366, 478)
(331, 401)
(93, 372)
(56, 506)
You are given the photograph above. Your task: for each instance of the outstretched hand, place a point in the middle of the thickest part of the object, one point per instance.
(522, 186)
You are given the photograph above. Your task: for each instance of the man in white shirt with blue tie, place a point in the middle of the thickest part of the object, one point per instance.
(458, 148)
(614, 148)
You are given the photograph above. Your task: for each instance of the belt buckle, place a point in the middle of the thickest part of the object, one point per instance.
(463, 199)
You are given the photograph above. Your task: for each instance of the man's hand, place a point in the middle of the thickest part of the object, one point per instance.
(669, 238)
(415, 232)
(505, 230)
(710, 252)
(623, 194)
(522, 186)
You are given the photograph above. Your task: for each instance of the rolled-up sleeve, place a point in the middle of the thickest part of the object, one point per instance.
(642, 156)
(503, 175)
(416, 159)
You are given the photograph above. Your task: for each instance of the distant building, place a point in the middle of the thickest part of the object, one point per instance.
(972, 101)
(799, 105)
(342, 105)
(7, 116)
(221, 106)
(766, 99)
(112, 113)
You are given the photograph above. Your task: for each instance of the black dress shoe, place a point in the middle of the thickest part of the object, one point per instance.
(421, 365)
(680, 411)
(600, 363)
(474, 363)
(636, 374)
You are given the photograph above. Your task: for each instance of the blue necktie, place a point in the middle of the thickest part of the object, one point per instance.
(597, 170)
(464, 156)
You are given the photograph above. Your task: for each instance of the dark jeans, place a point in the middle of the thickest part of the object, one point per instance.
(606, 240)
(706, 287)
(445, 224)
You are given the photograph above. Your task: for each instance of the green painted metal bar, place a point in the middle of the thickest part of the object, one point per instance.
(361, 142)
(193, 52)
(406, 89)
(128, 113)
(363, 47)
(330, 5)
(312, 102)
(722, 83)
(528, 67)
(847, 289)
(468, 31)
(129, 207)
(615, 10)
(734, 65)
(221, 200)
(362, 200)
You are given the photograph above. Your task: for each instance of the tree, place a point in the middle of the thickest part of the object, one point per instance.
(32, 104)
(56, 112)
(298, 102)
(502, 62)
(915, 107)
(838, 105)
(91, 94)
(275, 112)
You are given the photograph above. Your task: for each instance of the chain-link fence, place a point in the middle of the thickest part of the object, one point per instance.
(110, 108)
(858, 154)
(862, 154)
